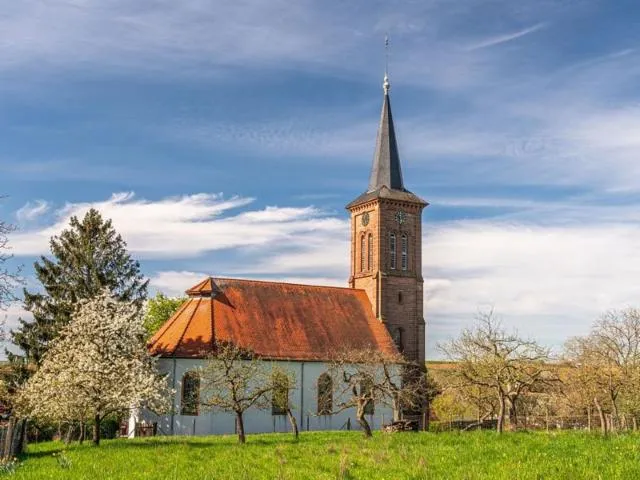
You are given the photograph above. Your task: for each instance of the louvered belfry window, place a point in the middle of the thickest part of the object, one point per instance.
(405, 253)
(392, 251)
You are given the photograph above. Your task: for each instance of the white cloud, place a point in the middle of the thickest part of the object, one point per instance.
(500, 39)
(31, 211)
(187, 226)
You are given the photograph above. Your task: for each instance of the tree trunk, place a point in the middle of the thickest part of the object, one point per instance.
(67, 437)
(634, 421)
(293, 422)
(589, 419)
(240, 427)
(614, 415)
(8, 439)
(513, 414)
(22, 438)
(603, 420)
(500, 426)
(96, 430)
(366, 429)
(82, 433)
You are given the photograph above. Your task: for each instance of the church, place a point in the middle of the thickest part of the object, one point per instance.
(300, 326)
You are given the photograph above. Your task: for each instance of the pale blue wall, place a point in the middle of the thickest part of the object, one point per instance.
(304, 402)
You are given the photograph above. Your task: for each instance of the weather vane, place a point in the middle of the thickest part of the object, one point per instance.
(386, 85)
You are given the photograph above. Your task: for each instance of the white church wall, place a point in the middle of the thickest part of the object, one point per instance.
(303, 399)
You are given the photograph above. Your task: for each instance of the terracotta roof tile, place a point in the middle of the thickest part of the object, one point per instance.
(276, 320)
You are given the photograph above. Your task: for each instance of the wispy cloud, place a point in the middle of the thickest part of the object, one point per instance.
(186, 226)
(500, 39)
(31, 211)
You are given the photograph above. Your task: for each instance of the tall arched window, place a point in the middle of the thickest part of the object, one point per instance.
(366, 388)
(190, 394)
(280, 395)
(392, 251)
(405, 253)
(362, 253)
(397, 339)
(325, 394)
(370, 257)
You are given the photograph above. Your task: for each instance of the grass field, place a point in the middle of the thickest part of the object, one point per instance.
(343, 455)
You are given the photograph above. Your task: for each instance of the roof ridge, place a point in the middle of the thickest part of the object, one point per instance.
(295, 284)
(169, 323)
(186, 326)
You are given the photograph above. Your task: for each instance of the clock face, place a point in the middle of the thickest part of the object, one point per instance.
(400, 217)
(365, 219)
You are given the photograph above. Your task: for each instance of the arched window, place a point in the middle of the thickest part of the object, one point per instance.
(362, 253)
(370, 247)
(365, 388)
(397, 339)
(190, 394)
(392, 251)
(325, 394)
(405, 253)
(280, 395)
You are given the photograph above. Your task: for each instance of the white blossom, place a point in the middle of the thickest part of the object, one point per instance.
(98, 366)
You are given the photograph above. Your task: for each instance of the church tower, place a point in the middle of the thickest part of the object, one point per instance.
(386, 243)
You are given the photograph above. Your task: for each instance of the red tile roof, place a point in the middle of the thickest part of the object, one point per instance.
(275, 320)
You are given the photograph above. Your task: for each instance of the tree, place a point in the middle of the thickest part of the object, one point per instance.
(283, 382)
(510, 366)
(233, 380)
(9, 280)
(606, 366)
(366, 377)
(97, 366)
(158, 310)
(87, 258)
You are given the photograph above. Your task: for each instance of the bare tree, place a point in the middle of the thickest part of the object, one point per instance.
(233, 380)
(366, 377)
(283, 382)
(506, 364)
(606, 367)
(8, 279)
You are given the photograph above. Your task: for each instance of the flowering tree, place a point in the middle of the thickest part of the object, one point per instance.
(98, 366)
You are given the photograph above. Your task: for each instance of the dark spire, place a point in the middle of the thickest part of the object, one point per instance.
(386, 170)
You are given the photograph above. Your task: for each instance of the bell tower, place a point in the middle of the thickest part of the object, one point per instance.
(386, 243)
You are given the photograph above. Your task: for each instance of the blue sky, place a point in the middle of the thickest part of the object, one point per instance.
(225, 138)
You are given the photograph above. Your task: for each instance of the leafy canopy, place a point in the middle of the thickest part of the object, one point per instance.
(158, 310)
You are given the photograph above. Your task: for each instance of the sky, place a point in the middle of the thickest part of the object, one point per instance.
(225, 139)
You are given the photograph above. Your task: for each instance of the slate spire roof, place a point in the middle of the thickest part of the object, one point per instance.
(386, 170)
(386, 180)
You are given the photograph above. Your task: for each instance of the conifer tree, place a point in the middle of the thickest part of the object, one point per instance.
(87, 258)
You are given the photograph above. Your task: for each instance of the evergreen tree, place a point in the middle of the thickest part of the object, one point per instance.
(88, 258)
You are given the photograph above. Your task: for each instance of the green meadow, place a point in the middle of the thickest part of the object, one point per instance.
(343, 455)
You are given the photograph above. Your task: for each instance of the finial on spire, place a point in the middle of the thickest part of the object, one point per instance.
(385, 83)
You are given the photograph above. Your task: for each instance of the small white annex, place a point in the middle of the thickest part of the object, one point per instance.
(294, 326)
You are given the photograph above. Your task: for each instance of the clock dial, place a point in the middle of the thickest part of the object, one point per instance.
(400, 217)
(365, 219)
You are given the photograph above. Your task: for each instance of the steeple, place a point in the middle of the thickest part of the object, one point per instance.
(386, 170)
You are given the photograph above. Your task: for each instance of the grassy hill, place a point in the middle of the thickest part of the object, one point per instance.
(344, 455)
